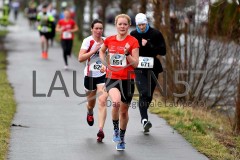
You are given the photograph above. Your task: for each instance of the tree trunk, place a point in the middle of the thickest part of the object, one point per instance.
(143, 7)
(125, 5)
(237, 114)
(157, 14)
(170, 65)
(80, 5)
(58, 7)
(91, 7)
(103, 4)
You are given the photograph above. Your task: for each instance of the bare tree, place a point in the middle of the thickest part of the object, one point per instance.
(199, 67)
(80, 5)
(58, 6)
(91, 8)
(143, 6)
(170, 59)
(125, 5)
(157, 13)
(237, 114)
(103, 4)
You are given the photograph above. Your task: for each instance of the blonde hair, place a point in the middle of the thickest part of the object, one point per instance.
(123, 16)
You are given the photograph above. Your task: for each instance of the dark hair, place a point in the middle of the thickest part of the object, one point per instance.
(95, 21)
(68, 10)
(45, 5)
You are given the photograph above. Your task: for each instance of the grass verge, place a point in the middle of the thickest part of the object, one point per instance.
(209, 132)
(7, 103)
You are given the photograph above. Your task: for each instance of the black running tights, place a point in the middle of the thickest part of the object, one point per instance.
(145, 85)
(67, 49)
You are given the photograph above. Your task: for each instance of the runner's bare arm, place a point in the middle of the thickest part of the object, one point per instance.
(102, 54)
(133, 58)
(58, 28)
(84, 55)
(75, 28)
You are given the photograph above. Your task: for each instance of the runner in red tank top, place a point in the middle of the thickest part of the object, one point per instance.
(66, 27)
(122, 58)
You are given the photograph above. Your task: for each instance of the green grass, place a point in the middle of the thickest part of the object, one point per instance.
(7, 105)
(3, 33)
(208, 131)
(76, 46)
(7, 102)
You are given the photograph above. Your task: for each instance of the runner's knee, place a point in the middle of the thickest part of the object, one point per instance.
(102, 101)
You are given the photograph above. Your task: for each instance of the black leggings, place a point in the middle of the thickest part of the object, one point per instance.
(67, 49)
(146, 89)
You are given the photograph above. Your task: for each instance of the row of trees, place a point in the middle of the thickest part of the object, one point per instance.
(203, 58)
(124, 5)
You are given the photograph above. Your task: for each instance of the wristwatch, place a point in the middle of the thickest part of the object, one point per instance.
(127, 54)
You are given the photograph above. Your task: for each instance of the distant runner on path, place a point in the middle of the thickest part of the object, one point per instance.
(66, 27)
(45, 23)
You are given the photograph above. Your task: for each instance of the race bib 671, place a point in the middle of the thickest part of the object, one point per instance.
(145, 62)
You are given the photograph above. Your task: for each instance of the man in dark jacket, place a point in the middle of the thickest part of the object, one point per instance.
(151, 44)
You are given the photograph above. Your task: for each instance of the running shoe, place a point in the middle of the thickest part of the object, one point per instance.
(116, 136)
(120, 146)
(100, 136)
(146, 126)
(66, 67)
(46, 55)
(90, 119)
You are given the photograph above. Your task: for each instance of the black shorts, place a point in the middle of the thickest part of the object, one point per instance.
(90, 83)
(46, 35)
(126, 88)
(33, 19)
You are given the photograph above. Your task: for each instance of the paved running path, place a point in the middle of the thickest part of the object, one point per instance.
(55, 128)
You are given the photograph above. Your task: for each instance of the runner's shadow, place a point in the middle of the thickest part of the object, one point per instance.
(92, 144)
(121, 155)
(45, 60)
(146, 139)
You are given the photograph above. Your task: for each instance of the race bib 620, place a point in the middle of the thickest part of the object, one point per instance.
(96, 66)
